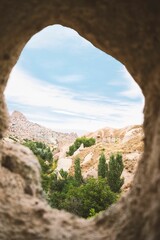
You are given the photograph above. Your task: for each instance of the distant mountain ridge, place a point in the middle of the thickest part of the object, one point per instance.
(21, 128)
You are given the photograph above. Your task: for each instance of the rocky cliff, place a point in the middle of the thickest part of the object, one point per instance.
(20, 128)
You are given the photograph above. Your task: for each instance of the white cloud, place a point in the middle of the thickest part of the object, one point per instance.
(133, 90)
(59, 38)
(72, 78)
(88, 112)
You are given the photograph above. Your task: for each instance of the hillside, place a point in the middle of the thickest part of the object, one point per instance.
(128, 141)
(20, 128)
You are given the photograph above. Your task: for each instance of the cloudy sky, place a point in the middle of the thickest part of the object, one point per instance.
(63, 82)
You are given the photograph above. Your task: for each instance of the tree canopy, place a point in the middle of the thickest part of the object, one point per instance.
(87, 142)
(83, 197)
(115, 170)
(102, 166)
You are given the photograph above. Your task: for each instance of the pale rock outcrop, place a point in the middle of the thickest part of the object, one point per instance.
(131, 134)
(78, 150)
(87, 158)
(64, 163)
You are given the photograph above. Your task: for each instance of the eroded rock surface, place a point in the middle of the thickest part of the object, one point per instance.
(21, 128)
(128, 141)
(24, 213)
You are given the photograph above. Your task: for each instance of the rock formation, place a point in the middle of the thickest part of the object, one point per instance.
(20, 128)
(129, 31)
(128, 141)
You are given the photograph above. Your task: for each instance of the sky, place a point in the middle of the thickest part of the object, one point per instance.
(63, 82)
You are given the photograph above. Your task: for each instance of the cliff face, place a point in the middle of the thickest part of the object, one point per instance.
(20, 128)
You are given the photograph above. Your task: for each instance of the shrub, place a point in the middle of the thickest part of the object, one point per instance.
(83, 198)
(94, 194)
(87, 142)
(45, 158)
(40, 150)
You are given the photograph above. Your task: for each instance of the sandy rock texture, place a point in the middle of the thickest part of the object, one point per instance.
(21, 128)
(128, 141)
(128, 31)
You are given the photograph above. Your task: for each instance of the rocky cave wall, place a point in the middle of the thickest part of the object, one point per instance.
(130, 32)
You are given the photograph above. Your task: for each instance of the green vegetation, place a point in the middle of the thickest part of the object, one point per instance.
(102, 166)
(13, 138)
(115, 170)
(89, 198)
(87, 142)
(83, 197)
(85, 200)
(77, 170)
(40, 149)
(112, 171)
(45, 157)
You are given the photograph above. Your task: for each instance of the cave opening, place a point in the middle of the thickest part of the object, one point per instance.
(61, 81)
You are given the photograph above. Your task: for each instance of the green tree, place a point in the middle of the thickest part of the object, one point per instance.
(92, 213)
(82, 197)
(72, 149)
(39, 149)
(77, 171)
(102, 166)
(63, 174)
(87, 142)
(89, 198)
(114, 172)
(47, 180)
(45, 158)
(59, 189)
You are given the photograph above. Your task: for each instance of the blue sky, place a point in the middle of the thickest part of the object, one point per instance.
(63, 82)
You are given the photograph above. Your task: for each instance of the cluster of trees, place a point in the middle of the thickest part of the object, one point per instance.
(83, 197)
(87, 197)
(45, 157)
(87, 142)
(112, 171)
(39, 149)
